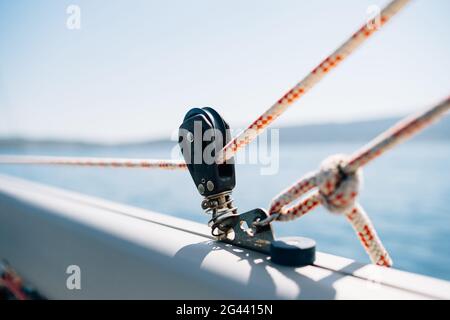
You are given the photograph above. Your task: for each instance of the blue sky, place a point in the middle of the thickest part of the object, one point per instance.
(135, 67)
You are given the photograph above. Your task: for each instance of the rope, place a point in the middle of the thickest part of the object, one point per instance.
(249, 134)
(336, 184)
(398, 133)
(368, 236)
(96, 162)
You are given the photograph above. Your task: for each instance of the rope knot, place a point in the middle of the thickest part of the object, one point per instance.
(337, 189)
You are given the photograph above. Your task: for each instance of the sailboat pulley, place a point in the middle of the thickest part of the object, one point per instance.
(202, 135)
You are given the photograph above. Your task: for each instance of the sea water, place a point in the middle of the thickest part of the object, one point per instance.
(406, 192)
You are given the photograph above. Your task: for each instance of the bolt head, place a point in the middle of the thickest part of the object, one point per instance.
(201, 188)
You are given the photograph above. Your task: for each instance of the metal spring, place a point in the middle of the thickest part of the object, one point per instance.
(220, 207)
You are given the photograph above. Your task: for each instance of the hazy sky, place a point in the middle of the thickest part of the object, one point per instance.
(135, 67)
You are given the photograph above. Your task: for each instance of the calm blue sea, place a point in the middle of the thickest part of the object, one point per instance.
(406, 193)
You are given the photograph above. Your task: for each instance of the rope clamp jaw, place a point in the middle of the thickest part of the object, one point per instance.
(244, 234)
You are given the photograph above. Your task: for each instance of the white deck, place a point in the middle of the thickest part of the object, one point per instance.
(126, 252)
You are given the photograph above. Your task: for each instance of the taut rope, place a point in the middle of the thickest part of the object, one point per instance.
(95, 162)
(358, 38)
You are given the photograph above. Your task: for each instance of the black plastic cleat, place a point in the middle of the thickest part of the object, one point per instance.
(293, 251)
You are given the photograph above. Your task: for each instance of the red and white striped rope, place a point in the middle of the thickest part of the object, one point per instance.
(96, 162)
(368, 236)
(336, 185)
(395, 135)
(249, 134)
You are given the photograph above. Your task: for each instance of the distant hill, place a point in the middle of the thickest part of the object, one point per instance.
(27, 142)
(314, 133)
(357, 131)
